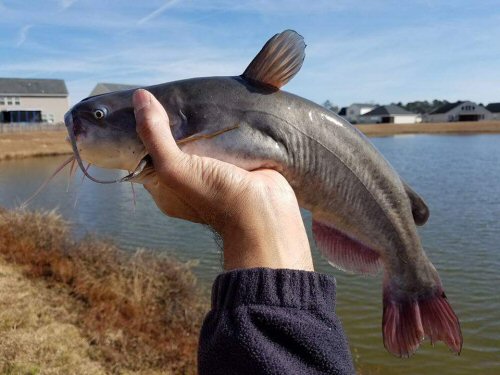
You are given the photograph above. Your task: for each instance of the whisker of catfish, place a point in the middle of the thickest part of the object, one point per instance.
(46, 182)
(133, 195)
(85, 174)
(72, 172)
(81, 183)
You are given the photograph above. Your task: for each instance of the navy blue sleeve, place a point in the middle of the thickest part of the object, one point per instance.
(266, 321)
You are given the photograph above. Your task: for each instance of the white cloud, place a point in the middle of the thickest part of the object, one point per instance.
(23, 35)
(66, 3)
(157, 12)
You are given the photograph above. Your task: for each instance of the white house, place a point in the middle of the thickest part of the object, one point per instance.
(391, 114)
(104, 88)
(459, 111)
(494, 109)
(32, 100)
(354, 112)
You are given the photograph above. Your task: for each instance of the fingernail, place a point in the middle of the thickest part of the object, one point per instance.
(141, 99)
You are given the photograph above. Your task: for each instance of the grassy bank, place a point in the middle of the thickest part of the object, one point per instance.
(33, 143)
(87, 307)
(473, 127)
(47, 143)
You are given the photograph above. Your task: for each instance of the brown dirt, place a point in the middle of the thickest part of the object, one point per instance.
(88, 307)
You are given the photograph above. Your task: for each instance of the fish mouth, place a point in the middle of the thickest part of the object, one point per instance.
(73, 123)
(144, 168)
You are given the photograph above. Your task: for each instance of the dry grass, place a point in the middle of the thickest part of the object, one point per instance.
(48, 143)
(36, 333)
(473, 127)
(33, 143)
(136, 313)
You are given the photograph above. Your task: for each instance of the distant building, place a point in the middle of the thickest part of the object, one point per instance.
(25, 100)
(343, 112)
(494, 109)
(391, 114)
(459, 111)
(104, 88)
(354, 112)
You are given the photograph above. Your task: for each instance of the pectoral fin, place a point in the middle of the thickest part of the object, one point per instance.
(278, 61)
(198, 136)
(145, 169)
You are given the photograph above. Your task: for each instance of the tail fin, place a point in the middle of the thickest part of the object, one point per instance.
(407, 319)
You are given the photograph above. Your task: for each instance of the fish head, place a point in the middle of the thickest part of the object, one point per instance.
(102, 131)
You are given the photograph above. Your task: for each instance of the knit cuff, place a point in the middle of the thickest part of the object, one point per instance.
(273, 287)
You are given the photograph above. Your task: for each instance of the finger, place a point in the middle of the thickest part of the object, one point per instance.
(153, 128)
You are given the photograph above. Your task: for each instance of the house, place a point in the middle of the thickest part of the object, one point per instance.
(494, 109)
(390, 114)
(354, 112)
(104, 88)
(343, 112)
(24, 100)
(459, 111)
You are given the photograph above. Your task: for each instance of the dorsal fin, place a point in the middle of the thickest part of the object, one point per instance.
(278, 61)
(419, 209)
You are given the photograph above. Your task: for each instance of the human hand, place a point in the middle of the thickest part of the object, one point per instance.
(256, 213)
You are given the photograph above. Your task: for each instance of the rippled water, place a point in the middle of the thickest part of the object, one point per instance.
(459, 177)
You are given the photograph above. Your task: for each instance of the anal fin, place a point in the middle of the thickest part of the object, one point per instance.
(344, 252)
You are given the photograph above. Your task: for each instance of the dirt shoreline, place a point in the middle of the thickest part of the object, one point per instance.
(51, 143)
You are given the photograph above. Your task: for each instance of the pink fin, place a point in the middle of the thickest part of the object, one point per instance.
(343, 252)
(407, 320)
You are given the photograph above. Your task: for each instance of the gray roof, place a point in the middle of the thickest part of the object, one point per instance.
(365, 104)
(33, 87)
(387, 110)
(493, 107)
(446, 107)
(104, 88)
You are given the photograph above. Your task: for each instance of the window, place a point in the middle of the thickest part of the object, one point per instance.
(17, 101)
(9, 101)
(2, 101)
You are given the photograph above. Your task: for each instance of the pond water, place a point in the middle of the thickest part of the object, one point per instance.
(459, 177)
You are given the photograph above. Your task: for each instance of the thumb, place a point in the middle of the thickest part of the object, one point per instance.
(153, 127)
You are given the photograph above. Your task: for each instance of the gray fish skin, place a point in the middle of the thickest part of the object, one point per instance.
(364, 215)
(335, 171)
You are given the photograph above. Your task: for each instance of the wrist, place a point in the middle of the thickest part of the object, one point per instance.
(266, 237)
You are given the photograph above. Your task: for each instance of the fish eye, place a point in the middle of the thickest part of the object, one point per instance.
(99, 114)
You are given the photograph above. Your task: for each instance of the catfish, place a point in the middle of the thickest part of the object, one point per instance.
(364, 216)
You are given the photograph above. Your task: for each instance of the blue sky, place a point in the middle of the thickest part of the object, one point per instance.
(358, 50)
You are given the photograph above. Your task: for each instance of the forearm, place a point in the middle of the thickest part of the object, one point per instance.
(266, 321)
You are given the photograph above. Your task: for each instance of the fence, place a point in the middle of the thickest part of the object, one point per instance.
(30, 126)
